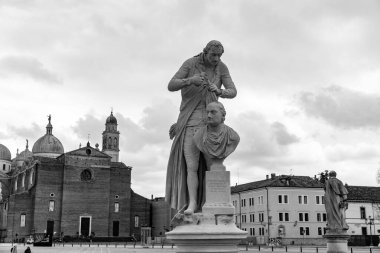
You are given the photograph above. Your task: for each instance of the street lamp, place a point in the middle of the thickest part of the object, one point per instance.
(370, 228)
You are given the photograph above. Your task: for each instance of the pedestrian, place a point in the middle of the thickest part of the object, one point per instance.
(28, 250)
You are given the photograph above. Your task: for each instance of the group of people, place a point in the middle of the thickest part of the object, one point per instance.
(14, 249)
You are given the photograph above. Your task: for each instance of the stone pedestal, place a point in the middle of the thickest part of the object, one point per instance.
(205, 235)
(218, 194)
(214, 229)
(337, 243)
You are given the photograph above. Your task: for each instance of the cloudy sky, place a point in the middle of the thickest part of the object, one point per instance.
(307, 74)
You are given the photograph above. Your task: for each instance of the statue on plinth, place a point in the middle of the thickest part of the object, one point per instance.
(335, 204)
(200, 80)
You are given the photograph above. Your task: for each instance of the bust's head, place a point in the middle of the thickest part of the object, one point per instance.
(332, 174)
(216, 114)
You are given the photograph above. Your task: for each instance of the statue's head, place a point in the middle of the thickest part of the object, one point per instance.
(332, 174)
(216, 113)
(213, 51)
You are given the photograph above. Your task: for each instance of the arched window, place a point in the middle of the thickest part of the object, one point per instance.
(109, 142)
(31, 175)
(23, 180)
(115, 142)
(3, 166)
(16, 183)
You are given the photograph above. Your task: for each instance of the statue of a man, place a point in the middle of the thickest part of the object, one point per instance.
(335, 204)
(216, 140)
(200, 80)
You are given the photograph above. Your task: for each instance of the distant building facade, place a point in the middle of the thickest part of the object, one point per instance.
(84, 192)
(290, 210)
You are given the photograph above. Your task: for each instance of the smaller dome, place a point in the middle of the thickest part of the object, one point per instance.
(5, 154)
(24, 155)
(48, 145)
(111, 119)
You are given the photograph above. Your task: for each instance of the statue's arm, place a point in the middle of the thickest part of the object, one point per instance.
(180, 79)
(229, 90)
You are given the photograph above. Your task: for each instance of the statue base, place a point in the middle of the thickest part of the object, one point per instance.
(207, 233)
(337, 242)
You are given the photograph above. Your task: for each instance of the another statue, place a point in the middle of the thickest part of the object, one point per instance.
(216, 140)
(200, 80)
(335, 204)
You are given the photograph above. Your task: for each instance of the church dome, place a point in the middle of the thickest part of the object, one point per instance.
(111, 119)
(24, 155)
(5, 154)
(48, 145)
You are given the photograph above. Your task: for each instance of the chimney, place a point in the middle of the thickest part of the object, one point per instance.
(273, 175)
(267, 176)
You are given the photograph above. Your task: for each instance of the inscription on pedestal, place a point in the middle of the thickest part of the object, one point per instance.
(217, 185)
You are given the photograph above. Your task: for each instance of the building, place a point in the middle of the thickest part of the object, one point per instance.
(83, 192)
(290, 210)
(363, 213)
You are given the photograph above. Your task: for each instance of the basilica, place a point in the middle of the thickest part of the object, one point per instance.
(83, 192)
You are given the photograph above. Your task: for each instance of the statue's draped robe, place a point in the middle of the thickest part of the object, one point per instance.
(176, 178)
(335, 211)
(217, 144)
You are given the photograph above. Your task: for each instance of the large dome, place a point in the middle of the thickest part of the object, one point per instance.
(111, 119)
(5, 154)
(48, 145)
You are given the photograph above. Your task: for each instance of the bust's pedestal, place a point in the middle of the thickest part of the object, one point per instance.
(214, 229)
(337, 242)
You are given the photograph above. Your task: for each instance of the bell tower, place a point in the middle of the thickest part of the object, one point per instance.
(111, 138)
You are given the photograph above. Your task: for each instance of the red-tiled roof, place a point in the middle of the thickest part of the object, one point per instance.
(355, 193)
(363, 193)
(279, 181)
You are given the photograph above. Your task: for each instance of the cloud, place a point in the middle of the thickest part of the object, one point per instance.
(30, 133)
(151, 129)
(361, 151)
(28, 66)
(282, 135)
(260, 139)
(342, 107)
(3, 135)
(89, 127)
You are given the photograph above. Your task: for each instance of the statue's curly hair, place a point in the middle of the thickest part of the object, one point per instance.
(213, 43)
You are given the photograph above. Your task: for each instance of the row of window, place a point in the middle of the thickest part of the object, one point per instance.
(303, 231)
(284, 216)
(282, 199)
(23, 221)
(23, 180)
(52, 206)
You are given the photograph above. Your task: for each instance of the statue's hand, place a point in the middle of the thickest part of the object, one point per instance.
(197, 79)
(172, 131)
(212, 87)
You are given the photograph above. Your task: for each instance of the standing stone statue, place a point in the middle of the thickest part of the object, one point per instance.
(200, 80)
(335, 204)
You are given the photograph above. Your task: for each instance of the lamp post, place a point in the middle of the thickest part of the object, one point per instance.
(370, 228)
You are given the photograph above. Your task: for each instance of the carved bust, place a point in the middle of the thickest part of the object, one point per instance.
(216, 140)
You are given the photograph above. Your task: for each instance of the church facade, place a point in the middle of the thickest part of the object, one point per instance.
(83, 192)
